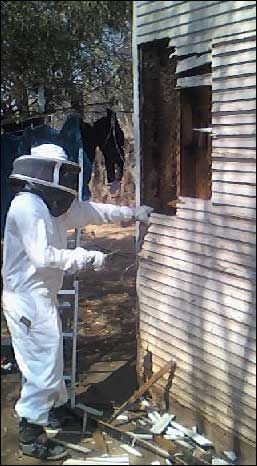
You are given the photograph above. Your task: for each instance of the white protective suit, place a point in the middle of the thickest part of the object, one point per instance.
(34, 261)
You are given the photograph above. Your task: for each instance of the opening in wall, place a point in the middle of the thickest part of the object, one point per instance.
(195, 142)
(159, 126)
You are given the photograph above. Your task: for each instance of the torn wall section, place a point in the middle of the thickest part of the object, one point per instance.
(159, 126)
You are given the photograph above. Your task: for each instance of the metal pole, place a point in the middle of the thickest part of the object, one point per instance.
(76, 299)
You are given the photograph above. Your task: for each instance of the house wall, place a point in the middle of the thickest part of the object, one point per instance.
(196, 278)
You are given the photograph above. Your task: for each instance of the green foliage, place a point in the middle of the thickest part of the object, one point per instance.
(62, 44)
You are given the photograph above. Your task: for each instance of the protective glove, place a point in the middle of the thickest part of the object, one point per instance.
(142, 214)
(80, 259)
(98, 260)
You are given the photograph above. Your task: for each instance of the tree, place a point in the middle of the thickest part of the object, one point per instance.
(66, 47)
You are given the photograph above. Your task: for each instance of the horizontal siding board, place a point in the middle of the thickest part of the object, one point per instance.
(242, 224)
(240, 166)
(239, 56)
(210, 250)
(202, 238)
(218, 415)
(208, 228)
(200, 291)
(212, 289)
(198, 259)
(204, 303)
(234, 70)
(142, 8)
(233, 188)
(236, 106)
(218, 322)
(215, 16)
(233, 177)
(171, 11)
(193, 62)
(228, 385)
(209, 284)
(233, 200)
(238, 38)
(234, 47)
(228, 316)
(207, 365)
(237, 82)
(180, 37)
(195, 81)
(234, 130)
(168, 333)
(161, 329)
(228, 95)
(234, 119)
(200, 271)
(186, 330)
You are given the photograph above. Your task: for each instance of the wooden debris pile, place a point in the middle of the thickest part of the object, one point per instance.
(141, 431)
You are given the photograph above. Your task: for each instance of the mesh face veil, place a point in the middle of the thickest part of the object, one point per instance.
(48, 173)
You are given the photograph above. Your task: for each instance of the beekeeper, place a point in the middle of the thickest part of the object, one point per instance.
(35, 257)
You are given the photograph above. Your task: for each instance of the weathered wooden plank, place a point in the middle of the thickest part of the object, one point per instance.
(233, 200)
(169, 327)
(235, 142)
(198, 281)
(236, 258)
(238, 270)
(216, 15)
(236, 106)
(200, 272)
(234, 119)
(198, 290)
(199, 316)
(226, 384)
(233, 177)
(168, 333)
(203, 43)
(234, 70)
(238, 38)
(193, 62)
(158, 11)
(195, 81)
(247, 56)
(234, 46)
(206, 228)
(233, 188)
(238, 166)
(242, 224)
(179, 37)
(238, 94)
(202, 238)
(144, 7)
(222, 369)
(232, 154)
(186, 347)
(234, 130)
(237, 82)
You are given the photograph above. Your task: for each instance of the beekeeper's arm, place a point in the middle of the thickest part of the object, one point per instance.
(33, 228)
(90, 213)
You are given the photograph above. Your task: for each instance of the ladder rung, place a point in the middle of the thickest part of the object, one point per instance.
(66, 292)
(64, 305)
(67, 334)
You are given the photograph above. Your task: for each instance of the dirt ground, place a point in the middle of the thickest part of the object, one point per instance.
(106, 352)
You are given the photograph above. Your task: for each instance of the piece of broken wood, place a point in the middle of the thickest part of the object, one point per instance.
(128, 437)
(72, 446)
(170, 366)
